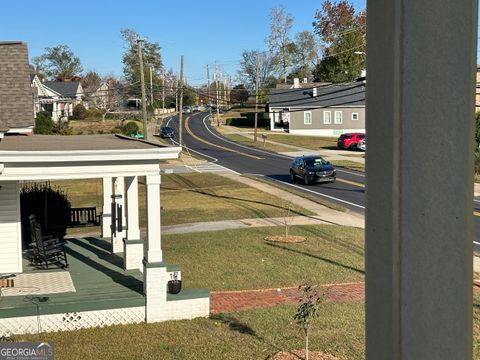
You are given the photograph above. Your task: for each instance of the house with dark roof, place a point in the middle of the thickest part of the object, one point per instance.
(117, 277)
(57, 97)
(16, 110)
(326, 110)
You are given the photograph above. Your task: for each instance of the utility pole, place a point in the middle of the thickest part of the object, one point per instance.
(142, 79)
(151, 87)
(256, 99)
(217, 97)
(208, 86)
(180, 108)
(176, 95)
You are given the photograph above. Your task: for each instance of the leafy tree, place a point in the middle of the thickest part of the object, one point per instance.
(189, 97)
(342, 35)
(239, 94)
(43, 123)
(307, 310)
(131, 64)
(58, 62)
(91, 81)
(279, 42)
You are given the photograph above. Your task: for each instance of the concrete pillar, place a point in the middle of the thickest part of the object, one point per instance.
(421, 58)
(132, 244)
(119, 189)
(154, 270)
(107, 207)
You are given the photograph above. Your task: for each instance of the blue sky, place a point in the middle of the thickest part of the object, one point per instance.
(204, 31)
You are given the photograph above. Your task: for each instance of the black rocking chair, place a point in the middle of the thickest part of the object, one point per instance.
(46, 250)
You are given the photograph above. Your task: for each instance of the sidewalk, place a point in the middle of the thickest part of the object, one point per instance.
(298, 151)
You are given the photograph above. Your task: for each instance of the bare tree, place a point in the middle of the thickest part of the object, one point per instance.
(305, 53)
(247, 73)
(279, 42)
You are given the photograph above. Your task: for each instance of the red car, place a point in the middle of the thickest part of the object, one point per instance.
(349, 140)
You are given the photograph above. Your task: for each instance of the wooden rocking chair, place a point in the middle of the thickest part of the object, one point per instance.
(46, 250)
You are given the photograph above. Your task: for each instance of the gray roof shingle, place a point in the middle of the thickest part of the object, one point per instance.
(16, 96)
(64, 88)
(327, 96)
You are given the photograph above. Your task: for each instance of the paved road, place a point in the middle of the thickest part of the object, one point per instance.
(348, 190)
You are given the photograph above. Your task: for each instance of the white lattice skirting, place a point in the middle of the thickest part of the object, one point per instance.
(71, 321)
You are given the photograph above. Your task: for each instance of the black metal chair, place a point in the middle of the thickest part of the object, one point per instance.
(46, 250)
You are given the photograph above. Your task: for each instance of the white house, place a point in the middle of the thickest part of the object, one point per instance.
(57, 97)
(119, 161)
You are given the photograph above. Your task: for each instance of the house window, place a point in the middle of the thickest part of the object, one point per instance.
(338, 117)
(307, 118)
(354, 116)
(327, 117)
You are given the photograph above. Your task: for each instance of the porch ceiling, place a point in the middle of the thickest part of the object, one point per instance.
(75, 157)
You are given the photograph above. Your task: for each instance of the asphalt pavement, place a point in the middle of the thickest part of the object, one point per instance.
(348, 191)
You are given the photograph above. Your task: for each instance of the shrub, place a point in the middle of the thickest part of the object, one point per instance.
(79, 112)
(94, 113)
(130, 128)
(43, 123)
(115, 131)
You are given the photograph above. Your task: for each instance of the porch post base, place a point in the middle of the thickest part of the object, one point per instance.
(132, 254)
(155, 288)
(117, 244)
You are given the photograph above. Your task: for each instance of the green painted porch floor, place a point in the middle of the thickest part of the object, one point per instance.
(99, 280)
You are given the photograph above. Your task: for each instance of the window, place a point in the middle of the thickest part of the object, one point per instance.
(354, 116)
(327, 117)
(338, 117)
(307, 118)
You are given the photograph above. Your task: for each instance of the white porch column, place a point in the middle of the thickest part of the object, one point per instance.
(55, 112)
(132, 244)
(119, 189)
(421, 58)
(154, 270)
(107, 207)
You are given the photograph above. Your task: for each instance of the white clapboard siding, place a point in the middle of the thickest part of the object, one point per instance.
(10, 237)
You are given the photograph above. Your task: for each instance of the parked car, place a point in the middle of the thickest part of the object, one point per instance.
(166, 132)
(350, 140)
(186, 110)
(195, 108)
(312, 168)
(362, 145)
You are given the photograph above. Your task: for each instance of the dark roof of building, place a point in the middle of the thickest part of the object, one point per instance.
(64, 88)
(327, 96)
(16, 97)
(74, 142)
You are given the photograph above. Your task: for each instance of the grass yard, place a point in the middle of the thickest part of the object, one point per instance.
(189, 198)
(240, 259)
(353, 165)
(252, 334)
(259, 144)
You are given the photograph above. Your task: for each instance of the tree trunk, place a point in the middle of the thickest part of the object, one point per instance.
(306, 345)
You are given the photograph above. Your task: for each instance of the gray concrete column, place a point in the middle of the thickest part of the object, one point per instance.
(421, 59)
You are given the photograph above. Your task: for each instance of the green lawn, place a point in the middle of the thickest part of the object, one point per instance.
(353, 165)
(191, 197)
(252, 334)
(240, 259)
